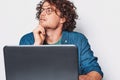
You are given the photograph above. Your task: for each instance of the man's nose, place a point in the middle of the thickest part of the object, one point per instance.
(43, 13)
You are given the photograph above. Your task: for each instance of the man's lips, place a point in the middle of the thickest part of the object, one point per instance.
(43, 19)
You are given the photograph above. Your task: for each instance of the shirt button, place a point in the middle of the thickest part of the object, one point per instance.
(65, 41)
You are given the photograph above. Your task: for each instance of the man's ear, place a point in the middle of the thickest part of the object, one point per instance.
(62, 20)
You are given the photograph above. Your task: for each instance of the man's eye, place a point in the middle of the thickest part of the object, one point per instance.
(49, 10)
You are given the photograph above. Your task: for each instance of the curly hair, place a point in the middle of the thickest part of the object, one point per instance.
(67, 10)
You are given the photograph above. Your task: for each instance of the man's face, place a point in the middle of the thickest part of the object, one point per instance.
(48, 17)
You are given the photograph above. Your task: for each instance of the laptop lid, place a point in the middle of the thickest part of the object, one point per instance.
(46, 62)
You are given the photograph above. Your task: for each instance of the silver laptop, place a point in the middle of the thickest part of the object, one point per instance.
(46, 62)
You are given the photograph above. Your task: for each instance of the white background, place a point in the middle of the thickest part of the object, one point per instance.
(99, 20)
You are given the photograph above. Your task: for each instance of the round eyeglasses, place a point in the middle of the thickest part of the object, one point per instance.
(47, 10)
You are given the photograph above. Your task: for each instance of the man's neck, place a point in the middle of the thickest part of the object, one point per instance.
(53, 36)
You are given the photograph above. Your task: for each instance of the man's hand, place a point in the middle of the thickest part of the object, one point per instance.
(93, 75)
(39, 35)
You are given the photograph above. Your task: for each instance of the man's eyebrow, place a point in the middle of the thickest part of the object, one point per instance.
(48, 6)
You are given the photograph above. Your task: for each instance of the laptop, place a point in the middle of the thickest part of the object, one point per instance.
(45, 62)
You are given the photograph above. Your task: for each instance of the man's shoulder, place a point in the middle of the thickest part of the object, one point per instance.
(28, 35)
(75, 34)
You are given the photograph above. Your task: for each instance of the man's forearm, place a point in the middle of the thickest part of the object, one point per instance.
(93, 75)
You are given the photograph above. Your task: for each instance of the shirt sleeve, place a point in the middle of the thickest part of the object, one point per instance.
(88, 60)
(27, 39)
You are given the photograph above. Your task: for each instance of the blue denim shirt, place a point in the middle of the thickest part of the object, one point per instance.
(86, 60)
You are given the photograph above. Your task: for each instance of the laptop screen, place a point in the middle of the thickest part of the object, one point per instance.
(46, 62)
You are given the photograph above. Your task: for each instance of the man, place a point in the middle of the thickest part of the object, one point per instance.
(56, 25)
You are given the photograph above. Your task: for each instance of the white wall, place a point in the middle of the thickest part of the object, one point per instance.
(98, 20)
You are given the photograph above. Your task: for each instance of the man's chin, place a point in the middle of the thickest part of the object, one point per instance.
(43, 25)
(46, 27)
